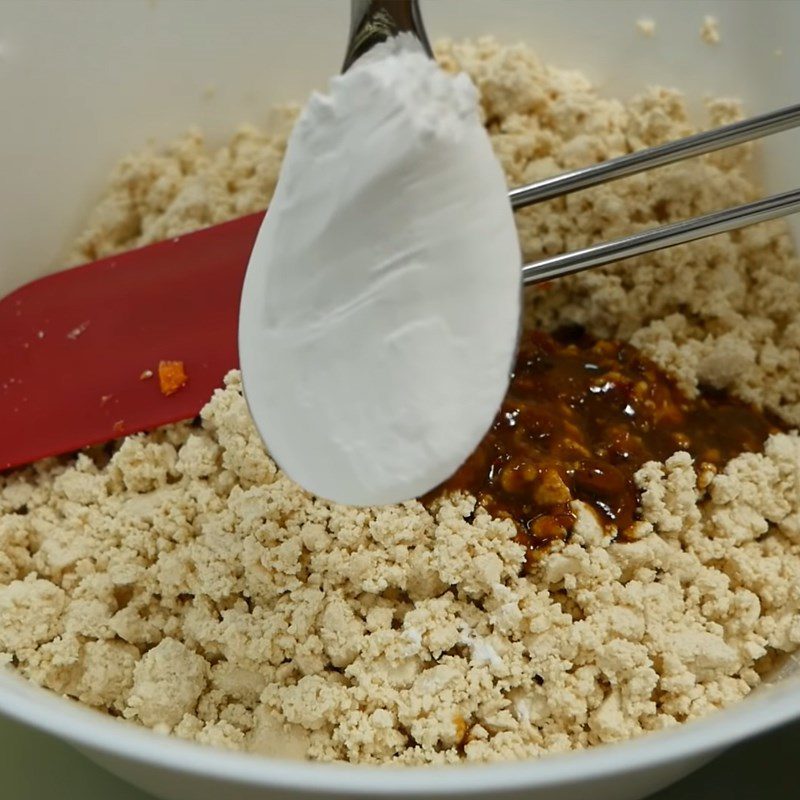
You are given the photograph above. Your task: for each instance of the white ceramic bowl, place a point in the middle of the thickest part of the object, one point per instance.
(83, 82)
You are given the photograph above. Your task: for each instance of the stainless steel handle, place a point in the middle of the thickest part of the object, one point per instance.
(373, 21)
(689, 230)
(647, 241)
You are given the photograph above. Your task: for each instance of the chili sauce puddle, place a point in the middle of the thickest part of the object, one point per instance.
(581, 416)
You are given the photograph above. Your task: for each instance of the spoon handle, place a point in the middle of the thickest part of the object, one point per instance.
(373, 21)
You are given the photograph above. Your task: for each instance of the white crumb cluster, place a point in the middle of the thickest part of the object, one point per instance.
(646, 26)
(709, 30)
(185, 583)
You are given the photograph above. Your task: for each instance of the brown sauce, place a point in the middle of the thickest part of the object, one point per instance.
(580, 417)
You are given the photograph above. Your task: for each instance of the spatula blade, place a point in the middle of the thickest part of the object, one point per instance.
(76, 346)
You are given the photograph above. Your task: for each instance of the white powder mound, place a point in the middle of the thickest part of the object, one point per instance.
(381, 305)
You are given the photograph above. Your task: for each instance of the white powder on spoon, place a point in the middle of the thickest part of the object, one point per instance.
(381, 305)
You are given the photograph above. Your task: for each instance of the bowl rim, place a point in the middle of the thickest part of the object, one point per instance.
(95, 732)
(91, 730)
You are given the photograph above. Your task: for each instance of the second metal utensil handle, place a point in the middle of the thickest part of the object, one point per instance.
(647, 241)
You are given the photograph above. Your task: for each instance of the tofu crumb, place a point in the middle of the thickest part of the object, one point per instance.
(709, 30)
(78, 330)
(186, 584)
(647, 27)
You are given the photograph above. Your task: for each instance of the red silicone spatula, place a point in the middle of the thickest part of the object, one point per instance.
(76, 347)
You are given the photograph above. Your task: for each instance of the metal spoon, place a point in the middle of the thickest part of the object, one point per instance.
(374, 21)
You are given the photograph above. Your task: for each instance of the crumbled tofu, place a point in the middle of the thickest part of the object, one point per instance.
(188, 585)
(709, 30)
(645, 26)
(159, 195)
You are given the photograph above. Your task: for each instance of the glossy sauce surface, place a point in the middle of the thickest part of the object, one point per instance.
(580, 417)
